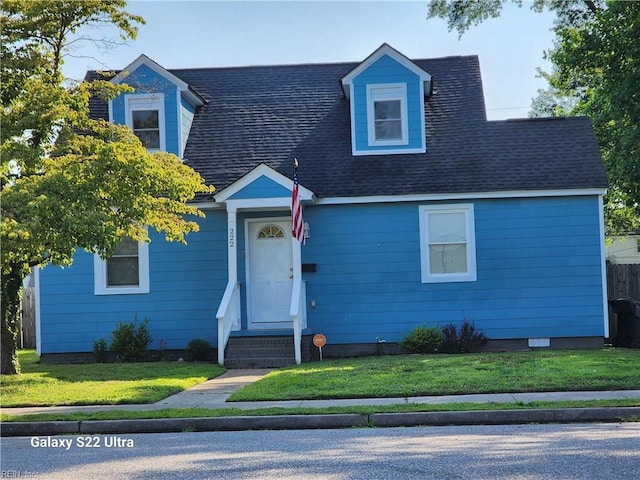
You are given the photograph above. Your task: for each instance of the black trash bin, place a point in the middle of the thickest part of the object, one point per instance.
(628, 322)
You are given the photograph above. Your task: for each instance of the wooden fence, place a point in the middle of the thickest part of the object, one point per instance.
(623, 281)
(28, 333)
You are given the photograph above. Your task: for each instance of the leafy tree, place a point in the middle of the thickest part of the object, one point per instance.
(69, 181)
(550, 103)
(596, 72)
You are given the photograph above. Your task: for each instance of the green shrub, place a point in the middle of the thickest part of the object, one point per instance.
(163, 351)
(198, 350)
(422, 339)
(130, 341)
(100, 350)
(464, 341)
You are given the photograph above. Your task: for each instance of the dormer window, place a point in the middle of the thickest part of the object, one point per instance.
(387, 114)
(145, 116)
(387, 94)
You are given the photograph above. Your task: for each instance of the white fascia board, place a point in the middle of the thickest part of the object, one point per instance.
(180, 84)
(262, 170)
(419, 198)
(459, 196)
(206, 205)
(384, 49)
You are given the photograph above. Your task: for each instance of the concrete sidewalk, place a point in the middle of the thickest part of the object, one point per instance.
(213, 394)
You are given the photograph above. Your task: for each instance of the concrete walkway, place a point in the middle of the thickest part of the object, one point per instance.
(213, 394)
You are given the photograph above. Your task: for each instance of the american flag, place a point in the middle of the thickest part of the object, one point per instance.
(297, 224)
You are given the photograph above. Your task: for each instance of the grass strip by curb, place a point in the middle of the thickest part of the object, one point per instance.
(363, 409)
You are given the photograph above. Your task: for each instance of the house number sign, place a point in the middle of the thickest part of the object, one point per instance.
(232, 237)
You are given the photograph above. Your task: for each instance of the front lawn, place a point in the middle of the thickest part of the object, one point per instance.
(418, 375)
(99, 383)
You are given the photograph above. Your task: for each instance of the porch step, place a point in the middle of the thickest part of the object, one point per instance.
(259, 352)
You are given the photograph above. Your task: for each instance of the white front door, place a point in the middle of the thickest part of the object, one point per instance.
(269, 273)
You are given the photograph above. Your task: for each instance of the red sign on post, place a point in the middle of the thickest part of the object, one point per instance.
(319, 341)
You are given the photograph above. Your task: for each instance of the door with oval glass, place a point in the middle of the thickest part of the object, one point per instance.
(269, 273)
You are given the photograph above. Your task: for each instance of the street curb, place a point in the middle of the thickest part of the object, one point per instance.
(301, 422)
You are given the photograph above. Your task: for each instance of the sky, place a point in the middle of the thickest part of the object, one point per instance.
(213, 33)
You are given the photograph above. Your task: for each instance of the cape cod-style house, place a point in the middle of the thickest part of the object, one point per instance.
(417, 210)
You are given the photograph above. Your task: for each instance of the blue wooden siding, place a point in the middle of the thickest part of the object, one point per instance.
(145, 80)
(387, 70)
(539, 272)
(262, 187)
(538, 263)
(186, 285)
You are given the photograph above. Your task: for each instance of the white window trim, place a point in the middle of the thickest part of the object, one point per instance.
(471, 274)
(387, 91)
(100, 275)
(147, 101)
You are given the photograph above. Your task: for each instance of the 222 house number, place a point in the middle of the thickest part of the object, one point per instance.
(232, 237)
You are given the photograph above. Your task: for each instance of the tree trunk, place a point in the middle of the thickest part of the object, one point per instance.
(10, 328)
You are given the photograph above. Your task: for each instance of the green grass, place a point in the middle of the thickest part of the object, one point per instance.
(417, 375)
(358, 409)
(99, 383)
(385, 376)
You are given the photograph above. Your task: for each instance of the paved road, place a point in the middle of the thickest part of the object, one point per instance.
(593, 451)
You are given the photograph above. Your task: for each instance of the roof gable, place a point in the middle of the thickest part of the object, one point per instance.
(187, 91)
(386, 51)
(260, 183)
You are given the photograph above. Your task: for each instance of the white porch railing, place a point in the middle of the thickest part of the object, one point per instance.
(298, 315)
(228, 317)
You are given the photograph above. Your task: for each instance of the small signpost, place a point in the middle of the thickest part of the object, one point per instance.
(319, 341)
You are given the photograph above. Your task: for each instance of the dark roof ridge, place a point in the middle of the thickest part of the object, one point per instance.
(307, 64)
(539, 119)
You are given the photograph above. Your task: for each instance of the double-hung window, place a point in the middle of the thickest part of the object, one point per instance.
(447, 243)
(125, 272)
(146, 126)
(387, 114)
(145, 116)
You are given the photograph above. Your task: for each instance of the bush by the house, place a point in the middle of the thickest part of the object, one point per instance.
(100, 350)
(198, 350)
(130, 341)
(422, 339)
(163, 351)
(465, 340)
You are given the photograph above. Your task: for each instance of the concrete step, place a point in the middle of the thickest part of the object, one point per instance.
(258, 362)
(259, 352)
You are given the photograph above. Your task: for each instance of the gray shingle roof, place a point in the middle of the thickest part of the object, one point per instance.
(271, 114)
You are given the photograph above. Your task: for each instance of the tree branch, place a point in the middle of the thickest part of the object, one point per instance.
(591, 5)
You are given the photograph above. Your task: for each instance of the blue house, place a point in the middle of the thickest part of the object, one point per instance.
(417, 211)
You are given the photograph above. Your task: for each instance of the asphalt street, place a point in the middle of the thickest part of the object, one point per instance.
(552, 451)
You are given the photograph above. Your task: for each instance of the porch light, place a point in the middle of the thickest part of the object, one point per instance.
(307, 230)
